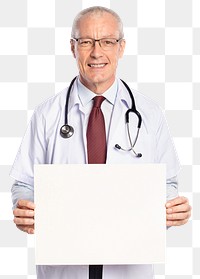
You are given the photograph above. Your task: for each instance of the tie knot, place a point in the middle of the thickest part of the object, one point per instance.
(98, 101)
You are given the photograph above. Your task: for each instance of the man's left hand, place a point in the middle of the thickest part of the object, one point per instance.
(178, 211)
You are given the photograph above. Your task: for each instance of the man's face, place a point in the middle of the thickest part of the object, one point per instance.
(97, 67)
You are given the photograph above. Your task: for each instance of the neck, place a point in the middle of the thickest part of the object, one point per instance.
(97, 87)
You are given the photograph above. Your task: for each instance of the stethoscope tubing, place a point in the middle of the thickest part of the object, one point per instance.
(66, 131)
(67, 100)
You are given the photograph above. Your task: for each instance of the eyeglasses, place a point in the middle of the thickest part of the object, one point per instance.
(105, 43)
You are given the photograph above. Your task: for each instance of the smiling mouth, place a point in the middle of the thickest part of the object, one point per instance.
(97, 65)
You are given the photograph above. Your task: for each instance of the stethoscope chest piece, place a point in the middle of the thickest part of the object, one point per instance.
(66, 131)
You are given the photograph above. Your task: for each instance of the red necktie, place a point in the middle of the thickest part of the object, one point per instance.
(96, 148)
(96, 135)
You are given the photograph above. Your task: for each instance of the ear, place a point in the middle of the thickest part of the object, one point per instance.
(73, 48)
(122, 48)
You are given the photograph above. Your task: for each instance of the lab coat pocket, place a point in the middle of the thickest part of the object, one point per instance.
(146, 145)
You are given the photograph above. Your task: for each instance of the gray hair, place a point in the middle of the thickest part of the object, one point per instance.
(94, 11)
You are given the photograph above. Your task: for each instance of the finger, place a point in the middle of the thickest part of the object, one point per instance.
(27, 229)
(179, 208)
(17, 212)
(25, 203)
(176, 223)
(176, 201)
(178, 216)
(23, 221)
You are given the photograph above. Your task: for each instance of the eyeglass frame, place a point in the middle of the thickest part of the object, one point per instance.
(99, 40)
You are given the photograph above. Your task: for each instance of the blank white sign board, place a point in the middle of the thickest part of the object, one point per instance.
(100, 214)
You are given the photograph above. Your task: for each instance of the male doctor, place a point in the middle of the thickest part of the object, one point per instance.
(97, 44)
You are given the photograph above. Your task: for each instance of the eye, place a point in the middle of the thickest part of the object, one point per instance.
(85, 42)
(109, 42)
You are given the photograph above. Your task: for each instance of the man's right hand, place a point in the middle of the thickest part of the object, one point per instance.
(24, 216)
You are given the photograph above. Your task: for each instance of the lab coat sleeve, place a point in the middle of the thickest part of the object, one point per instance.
(32, 150)
(172, 188)
(21, 191)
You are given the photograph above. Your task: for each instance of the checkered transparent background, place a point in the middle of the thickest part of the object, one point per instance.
(162, 60)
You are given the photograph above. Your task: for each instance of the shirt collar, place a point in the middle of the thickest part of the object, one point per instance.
(86, 95)
(81, 95)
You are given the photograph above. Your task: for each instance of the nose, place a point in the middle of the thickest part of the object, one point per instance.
(96, 51)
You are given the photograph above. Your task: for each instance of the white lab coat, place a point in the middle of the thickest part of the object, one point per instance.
(42, 144)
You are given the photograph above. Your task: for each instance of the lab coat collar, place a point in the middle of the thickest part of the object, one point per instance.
(123, 94)
(86, 95)
(73, 98)
(122, 103)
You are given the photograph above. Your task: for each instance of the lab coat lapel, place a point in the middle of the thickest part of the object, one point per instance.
(118, 116)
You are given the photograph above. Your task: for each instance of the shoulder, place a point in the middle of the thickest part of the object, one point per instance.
(52, 104)
(151, 112)
(141, 101)
(49, 111)
(145, 103)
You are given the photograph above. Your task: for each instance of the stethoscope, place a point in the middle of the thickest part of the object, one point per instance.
(66, 131)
